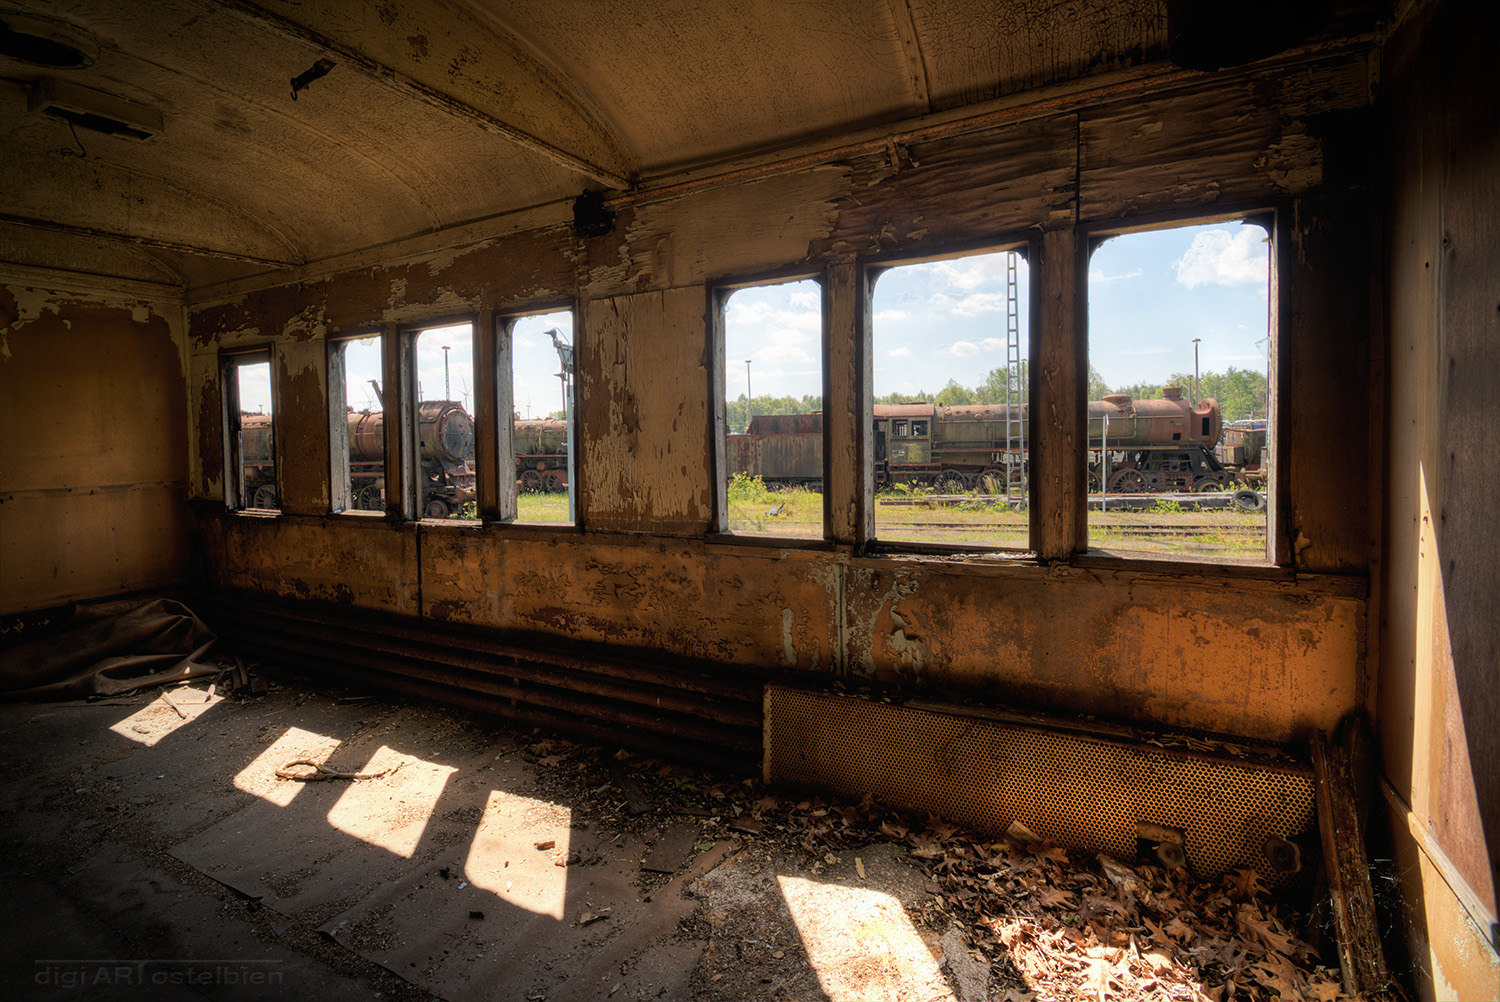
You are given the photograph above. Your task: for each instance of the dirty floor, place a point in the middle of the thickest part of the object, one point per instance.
(151, 847)
(300, 841)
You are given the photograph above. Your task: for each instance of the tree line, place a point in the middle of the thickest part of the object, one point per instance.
(1241, 393)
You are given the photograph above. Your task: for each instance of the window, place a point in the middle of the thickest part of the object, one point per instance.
(250, 473)
(950, 345)
(356, 372)
(769, 403)
(1180, 337)
(442, 424)
(538, 405)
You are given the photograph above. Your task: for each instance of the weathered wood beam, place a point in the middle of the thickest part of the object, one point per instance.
(425, 93)
(176, 246)
(1360, 955)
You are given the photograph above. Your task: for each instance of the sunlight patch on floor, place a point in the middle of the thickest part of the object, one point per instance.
(861, 944)
(157, 719)
(510, 856)
(391, 812)
(259, 777)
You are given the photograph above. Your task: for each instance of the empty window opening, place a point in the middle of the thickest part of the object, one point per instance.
(443, 364)
(358, 365)
(1180, 338)
(543, 414)
(950, 344)
(771, 384)
(250, 423)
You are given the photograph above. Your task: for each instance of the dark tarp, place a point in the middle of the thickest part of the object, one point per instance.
(108, 648)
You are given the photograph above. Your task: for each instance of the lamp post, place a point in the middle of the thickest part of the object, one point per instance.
(446, 394)
(749, 397)
(1195, 370)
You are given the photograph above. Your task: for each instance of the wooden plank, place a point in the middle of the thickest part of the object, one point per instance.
(1240, 141)
(671, 849)
(958, 188)
(1360, 955)
(847, 380)
(1058, 501)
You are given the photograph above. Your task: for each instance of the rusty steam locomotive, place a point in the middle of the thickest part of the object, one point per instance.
(1135, 446)
(445, 436)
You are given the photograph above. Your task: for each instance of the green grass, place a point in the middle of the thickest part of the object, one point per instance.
(755, 508)
(542, 507)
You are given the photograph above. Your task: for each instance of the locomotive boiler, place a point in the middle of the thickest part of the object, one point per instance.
(445, 440)
(445, 454)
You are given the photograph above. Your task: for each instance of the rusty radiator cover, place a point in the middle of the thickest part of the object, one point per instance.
(1100, 792)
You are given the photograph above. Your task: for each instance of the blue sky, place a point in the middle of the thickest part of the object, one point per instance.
(1150, 294)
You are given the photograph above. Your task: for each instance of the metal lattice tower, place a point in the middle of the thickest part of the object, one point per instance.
(1015, 387)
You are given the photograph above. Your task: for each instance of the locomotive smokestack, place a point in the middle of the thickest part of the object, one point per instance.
(379, 397)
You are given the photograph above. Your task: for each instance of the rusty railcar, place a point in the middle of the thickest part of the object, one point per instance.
(782, 449)
(541, 448)
(1135, 446)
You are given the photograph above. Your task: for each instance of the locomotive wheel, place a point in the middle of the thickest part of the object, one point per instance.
(1127, 482)
(1206, 484)
(990, 482)
(264, 497)
(437, 508)
(557, 482)
(531, 481)
(369, 499)
(952, 482)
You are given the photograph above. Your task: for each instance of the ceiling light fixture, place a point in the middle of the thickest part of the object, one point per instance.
(87, 108)
(47, 41)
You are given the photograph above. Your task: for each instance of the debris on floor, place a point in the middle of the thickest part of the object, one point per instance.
(486, 855)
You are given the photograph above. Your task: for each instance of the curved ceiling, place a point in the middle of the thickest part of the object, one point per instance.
(436, 113)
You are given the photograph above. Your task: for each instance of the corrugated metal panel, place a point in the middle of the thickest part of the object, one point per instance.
(675, 710)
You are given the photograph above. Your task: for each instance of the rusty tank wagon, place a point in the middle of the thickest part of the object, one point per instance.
(445, 437)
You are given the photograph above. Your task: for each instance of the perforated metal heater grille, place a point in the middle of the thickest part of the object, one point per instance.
(1072, 789)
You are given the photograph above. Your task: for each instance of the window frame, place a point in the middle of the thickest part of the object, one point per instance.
(719, 292)
(407, 411)
(870, 270)
(340, 480)
(1273, 218)
(230, 362)
(506, 506)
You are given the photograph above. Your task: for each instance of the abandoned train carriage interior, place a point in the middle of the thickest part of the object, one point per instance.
(219, 200)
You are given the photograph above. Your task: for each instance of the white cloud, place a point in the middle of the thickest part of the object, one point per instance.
(886, 315)
(901, 352)
(1097, 276)
(968, 349)
(1218, 257)
(782, 353)
(980, 302)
